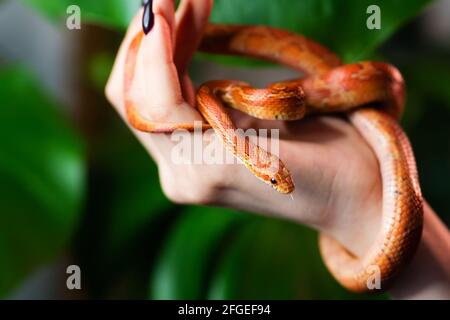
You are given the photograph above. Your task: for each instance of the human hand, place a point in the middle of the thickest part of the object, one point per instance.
(338, 185)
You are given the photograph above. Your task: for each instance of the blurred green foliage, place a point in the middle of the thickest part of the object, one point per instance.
(350, 38)
(124, 213)
(183, 269)
(426, 121)
(339, 25)
(132, 242)
(112, 13)
(41, 178)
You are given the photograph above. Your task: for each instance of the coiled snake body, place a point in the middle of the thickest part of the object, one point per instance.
(329, 86)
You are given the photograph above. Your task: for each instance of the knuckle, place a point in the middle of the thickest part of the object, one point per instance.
(111, 92)
(171, 193)
(171, 188)
(191, 185)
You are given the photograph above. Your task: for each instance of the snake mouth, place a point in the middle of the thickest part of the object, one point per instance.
(284, 189)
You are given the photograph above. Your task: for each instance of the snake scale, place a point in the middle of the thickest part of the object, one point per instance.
(371, 94)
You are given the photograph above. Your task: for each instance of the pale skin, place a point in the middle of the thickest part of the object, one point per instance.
(338, 184)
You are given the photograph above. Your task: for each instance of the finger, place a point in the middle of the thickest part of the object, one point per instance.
(156, 77)
(191, 20)
(156, 87)
(166, 8)
(188, 89)
(114, 87)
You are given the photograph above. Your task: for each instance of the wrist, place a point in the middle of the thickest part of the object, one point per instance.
(428, 275)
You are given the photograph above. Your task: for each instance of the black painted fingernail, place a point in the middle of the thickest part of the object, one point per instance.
(148, 19)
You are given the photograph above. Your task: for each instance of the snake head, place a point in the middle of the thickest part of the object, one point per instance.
(281, 180)
(270, 169)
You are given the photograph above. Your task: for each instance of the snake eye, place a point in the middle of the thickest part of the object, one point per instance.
(273, 181)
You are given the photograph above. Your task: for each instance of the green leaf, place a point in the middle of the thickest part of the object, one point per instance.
(112, 13)
(191, 249)
(125, 211)
(41, 178)
(132, 191)
(431, 78)
(426, 118)
(427, 80)
(339, 25)
(273, 259)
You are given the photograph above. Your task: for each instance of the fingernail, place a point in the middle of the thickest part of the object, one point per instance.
(148, 19)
